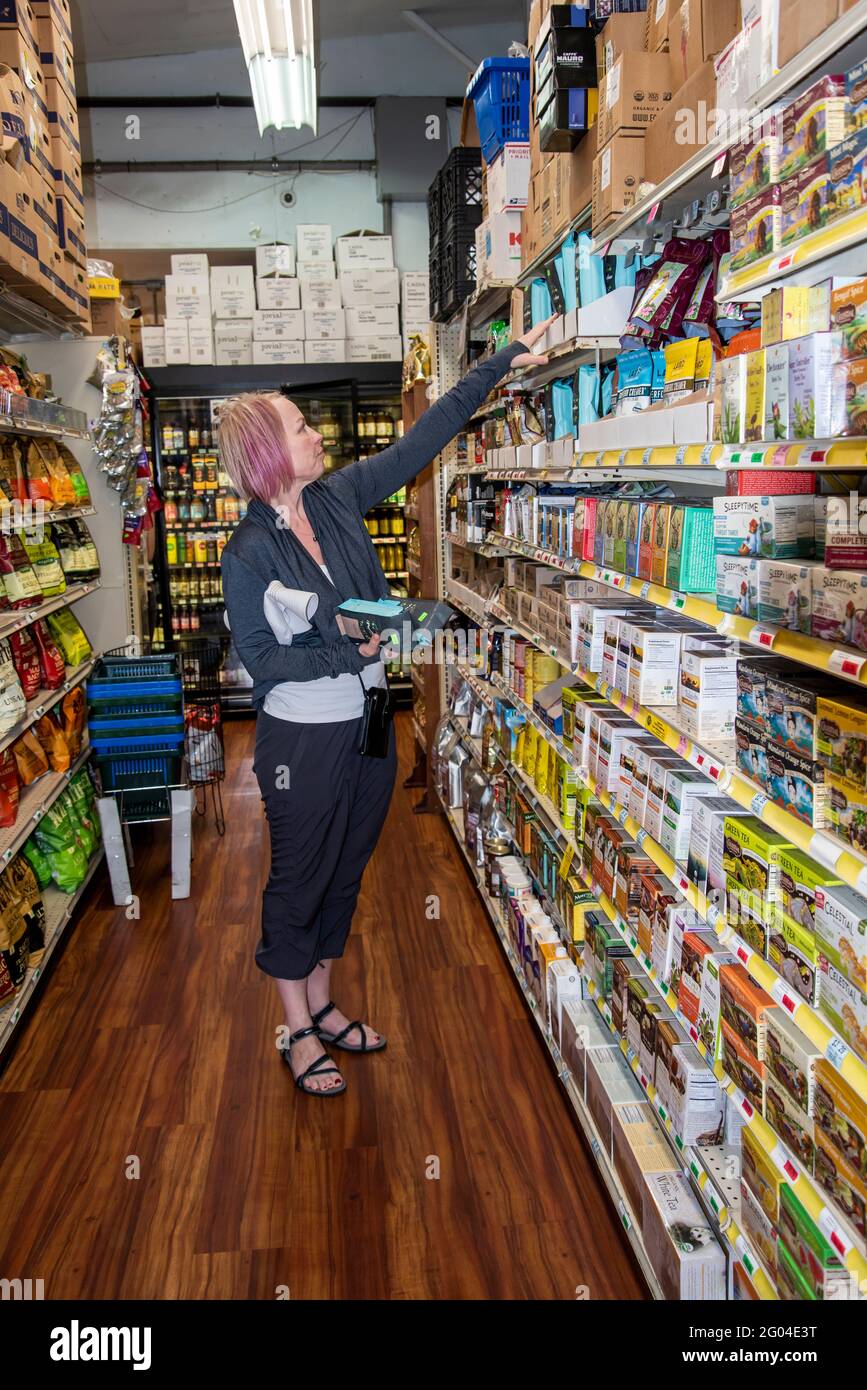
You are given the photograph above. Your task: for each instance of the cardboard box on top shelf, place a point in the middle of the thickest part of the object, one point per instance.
(107, 319)
(802, 21)
(16, 52)
(699, 30)
(637, 87)
(617, 174)
(567, 189)
(67, 174)
(372, 252)
(70, 232)
(683, 127)
(59, 11)
(657, 21)
(45, 206)
(62, 115)
(55, 54)
(39, 137)
(19, 14)
(622, 33)
(275, 259)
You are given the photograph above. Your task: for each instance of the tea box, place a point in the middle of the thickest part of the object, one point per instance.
(841, 1114)
(849, 317)
(842, 740)
(774, 527)
(776, 392)
(655, 888)
(754, 163)
(840, 919)
(791, 710)
(752, 863)
(812, 391)
(610, 1084)
(686, 1087)
(748, 1074)
(804, 203)
(657, 769)
(683, 788)
(697, 946)
(792, 1287)
(800, 880)
(737, 585)
(752, 676)
(751, 751)
(710, 1003)
(785, 314)
(733, 398)
(812, 123)
(756, 227)
(744, 1007)
(791, 1124)
(761, 1177)
(792, 953)
(812, 1252)
(839, 603)
(846, 810)
(639, 1150)
(844, 190)
(791, 1059)
(759, 1230)
(708, 687)
(667, 954)
(707, 813)
(754, 414)
(856, 96)
(785, 594)
(798, 784)
(844, 1185)
(844, 1005)
(661, 532)
(849, 397)
(689, 562)
(682, 1248)
(654, 662)
(624, 970)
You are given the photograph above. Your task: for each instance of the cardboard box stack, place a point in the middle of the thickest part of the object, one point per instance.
(42, 251)
(301, 305)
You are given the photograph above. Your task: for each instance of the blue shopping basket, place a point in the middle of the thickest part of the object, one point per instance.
(500, 92)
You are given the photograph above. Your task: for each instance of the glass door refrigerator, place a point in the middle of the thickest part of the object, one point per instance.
(201, 509)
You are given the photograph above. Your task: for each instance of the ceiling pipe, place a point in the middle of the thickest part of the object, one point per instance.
(415, 20)
(227, 166)
(217, 100)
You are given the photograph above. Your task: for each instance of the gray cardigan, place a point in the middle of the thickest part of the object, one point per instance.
(263, 549)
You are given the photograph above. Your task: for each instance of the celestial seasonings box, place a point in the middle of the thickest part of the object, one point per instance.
(800, 880)
(813, 1254)
(756, 227)
(840, 919)
(745, 1007)
(791, 1059)
(846, 1187)
(844, 1005)
(739, 1063)
(842, 739)
(792, 953)
(752, 865)
(791, 1124)
(759, 1230)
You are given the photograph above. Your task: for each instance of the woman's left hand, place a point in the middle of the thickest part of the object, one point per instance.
(529, 339)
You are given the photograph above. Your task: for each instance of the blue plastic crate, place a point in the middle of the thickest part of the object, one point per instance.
(500, 92)
(137, 668)
(136, 726)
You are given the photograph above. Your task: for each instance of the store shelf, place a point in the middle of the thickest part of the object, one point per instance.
(792, 455)
(59, 908)
(564, 359)
(23, 415)
(701, 173)
(605, 1167)
(23, 617)
(579, 223)
(33, 802)
(483, 304)
(834, 250)
(388, 540)
(44, 700)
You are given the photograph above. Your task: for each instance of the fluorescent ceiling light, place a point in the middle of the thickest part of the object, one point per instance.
(277, 37)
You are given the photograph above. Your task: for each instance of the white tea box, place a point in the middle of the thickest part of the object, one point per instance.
(372, 322)
(695, 1102)
(374, 350)
(375, 288)
(654, 660)
(708, 692)
(704, 815)
(315, 241)
(279, 292)
(694, 1268)
(318, 292)
(811, 378)
(324, 323)
(276, 259)
(201, 341)
(325, 350)
(737, 585)
(153, 346)
(271, 324)
(233, 292)
(190, 263)
(733, 378)
(364, 253)
(785, 594)
(280, 351)
(656, 774)
(777, 392)
(177, 334)
(683, 787)
(188, 297)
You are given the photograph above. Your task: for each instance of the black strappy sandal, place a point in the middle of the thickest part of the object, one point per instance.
(337, 1039)
(315, 1069)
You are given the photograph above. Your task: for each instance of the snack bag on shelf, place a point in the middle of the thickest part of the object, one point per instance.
(52, 668)
(38, 861)
(61, 491)
(12, 485)
(29, 758)
(12, 701)
(89, 559)
(19, 578)
(13, 934)
(76, 476)
(85, 820)
(56, 835)
(44, 557)
(54, 742)
(23, 882)
(69, 636)
(26, 659)
(8, 789)
(74, 711)
(38, 479)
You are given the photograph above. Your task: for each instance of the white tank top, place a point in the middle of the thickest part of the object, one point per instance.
(330, 700)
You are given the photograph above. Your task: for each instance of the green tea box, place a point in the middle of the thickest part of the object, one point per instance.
(690, 560)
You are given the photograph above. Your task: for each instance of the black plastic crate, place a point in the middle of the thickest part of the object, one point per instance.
(435, 208)
(457, 274)
(461, 182)
(434, 265)
(460, 226)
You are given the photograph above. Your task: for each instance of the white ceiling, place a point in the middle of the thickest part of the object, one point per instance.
(121, 29)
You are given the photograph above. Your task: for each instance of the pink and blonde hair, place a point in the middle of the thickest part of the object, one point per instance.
(252, 443)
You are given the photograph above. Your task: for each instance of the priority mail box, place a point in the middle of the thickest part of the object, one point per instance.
(325, 350)
(365, 253)
(275, 260)
(374, 349)
(509, 178)
(177, 341)
(153, 346)
(201, 341)
(377, 287)
(188, 297)
(321, 270)
(278, 352)
(190, 263)
(314, 241)
(370, 322)
(272, 324)
(233, 294)
(324, 323)
(318, 292)
(278, 292)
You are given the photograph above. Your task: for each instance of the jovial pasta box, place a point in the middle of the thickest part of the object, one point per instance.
(153, 342)
(278, 293)
(201, 337)
(271, 324)
(841, 930)
(275, 259)
(776, 527)
(177, 333)
(839, 601)
(324, 323)
(281, 350)
(233, 294)
(737, 585)
(685, 1254)
(325, 350)
(319, 292)
(315, 241)
(785, 594)
(188, 296)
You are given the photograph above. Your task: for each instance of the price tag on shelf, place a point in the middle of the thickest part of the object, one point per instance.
(845, 664)
(680, 457)
(719, 164)
(647, 458)
(762, 636)
(779, 458)
(683, 883)
(712, 914)
(832, 1230)
(784, 1163)
(677, 601)
(641, 836)
(623, 816)
(758, 803)
(622, 459)
(813, 458)
(726, 623)
(742, 953)
(683, 746)
(779, 264)
(837, 1052)
(645, 589)
(735, 457)
(825, 850)
(783, 997)
(707, 456)
(653, 214)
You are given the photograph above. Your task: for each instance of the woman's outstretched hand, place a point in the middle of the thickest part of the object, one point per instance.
(532, 336)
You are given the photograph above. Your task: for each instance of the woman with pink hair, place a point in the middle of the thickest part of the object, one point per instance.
(325, 800)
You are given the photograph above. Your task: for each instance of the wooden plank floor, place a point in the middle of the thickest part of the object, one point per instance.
(153, 1040)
